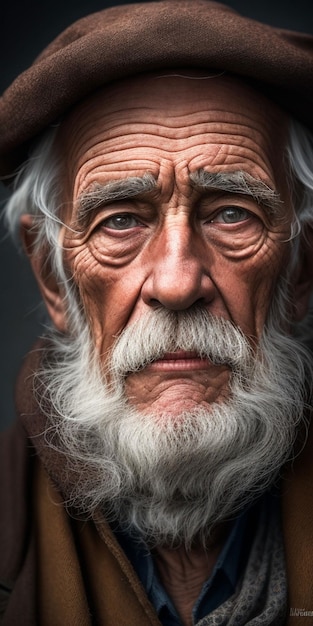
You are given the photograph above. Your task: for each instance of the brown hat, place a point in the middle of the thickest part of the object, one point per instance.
(126, 40)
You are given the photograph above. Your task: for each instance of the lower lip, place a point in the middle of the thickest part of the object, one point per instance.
(177, 362)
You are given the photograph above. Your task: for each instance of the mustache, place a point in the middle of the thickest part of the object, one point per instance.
(196, 330)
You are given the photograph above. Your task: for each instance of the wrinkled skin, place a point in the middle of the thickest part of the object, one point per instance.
(173, 246)
(176, 250)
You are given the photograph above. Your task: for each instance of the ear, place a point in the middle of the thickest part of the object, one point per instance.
(48, 285)
(303, 283)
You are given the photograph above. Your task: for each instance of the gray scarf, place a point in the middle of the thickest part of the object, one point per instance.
(261, 595)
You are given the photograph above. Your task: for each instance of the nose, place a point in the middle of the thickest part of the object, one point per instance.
(178, 276)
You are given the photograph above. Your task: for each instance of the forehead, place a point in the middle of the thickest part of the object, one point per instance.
(136, 125)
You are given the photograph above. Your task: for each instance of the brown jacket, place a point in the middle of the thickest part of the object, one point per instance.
(54, 568)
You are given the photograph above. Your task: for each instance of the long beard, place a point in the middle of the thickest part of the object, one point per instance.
(174, 480)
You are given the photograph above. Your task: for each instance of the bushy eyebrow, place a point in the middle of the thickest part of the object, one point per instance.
(239, 182)
(102, 194)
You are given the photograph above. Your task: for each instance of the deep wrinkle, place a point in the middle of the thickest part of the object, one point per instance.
(102, 195)
(177, 251)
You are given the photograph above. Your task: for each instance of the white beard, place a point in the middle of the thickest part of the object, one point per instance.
(171, 480)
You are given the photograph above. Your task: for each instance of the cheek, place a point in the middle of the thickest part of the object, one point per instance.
(247, 287)
(108, 294)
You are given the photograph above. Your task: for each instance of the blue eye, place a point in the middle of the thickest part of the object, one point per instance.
(122, 221)
(231, 215)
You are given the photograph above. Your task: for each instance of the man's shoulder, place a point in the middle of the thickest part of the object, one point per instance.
(15, 450)
(17, 562)
(15, 486)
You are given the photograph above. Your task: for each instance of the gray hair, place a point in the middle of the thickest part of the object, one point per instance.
(38, 191)
(37, 188)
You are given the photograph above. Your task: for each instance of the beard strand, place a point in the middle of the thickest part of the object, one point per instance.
(173, 480)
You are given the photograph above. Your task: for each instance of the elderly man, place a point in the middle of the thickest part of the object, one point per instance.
(160, 470)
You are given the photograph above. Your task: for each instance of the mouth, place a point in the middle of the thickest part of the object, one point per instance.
(180, 360)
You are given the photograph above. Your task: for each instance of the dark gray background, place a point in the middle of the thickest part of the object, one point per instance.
(26, 29)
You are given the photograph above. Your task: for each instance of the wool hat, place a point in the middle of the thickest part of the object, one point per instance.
(127, 40)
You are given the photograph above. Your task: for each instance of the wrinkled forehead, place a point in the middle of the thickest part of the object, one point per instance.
(174, 104)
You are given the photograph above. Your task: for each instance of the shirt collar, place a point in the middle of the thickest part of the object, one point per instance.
(227, 564)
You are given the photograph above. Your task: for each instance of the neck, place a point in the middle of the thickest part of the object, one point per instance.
(183, 573)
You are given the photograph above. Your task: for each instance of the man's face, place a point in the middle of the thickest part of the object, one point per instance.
(174, 242)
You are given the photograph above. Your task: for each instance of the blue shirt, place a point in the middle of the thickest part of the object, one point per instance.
(216, 590)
